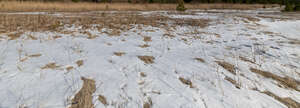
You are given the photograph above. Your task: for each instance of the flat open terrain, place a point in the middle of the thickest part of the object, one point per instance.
(150, 59)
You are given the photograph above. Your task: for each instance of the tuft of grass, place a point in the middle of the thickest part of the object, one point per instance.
(246, 60)
(232, 82)
(147, 59)
(144, 46)
(35, 55)
(284, 81)
(200, 60)
(147, 39)
(229, 67)
(69, 68)
(84, 98)
(290, 103)
(186, 82)
(142, 74)
(103, 100)
(14, 36)
(50, 66)
(119, 53)
(146, 105)
(79, 63)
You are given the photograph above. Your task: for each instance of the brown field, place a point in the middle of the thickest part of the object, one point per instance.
(13, 6)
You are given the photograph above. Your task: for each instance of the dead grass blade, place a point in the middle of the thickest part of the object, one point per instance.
(200, 60)
(79, 63)
(186, 82)
(229, 67)
(119, 53)
(103, 100)
(232, 82)
(50, 66)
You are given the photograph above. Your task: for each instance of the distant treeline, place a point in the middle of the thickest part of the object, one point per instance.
(175, 1)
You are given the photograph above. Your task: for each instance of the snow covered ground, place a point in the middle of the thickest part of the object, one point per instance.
(179, 67)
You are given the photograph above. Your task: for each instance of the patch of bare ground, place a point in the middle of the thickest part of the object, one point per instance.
(246, 60)
(50, 66)
(290, 103)
(103, 100)
(286, 81)
(186, 81)
(200, 59)
(119, 53)
(147, 59)
(229, 67)
(84, 98)
(79, 63)
(232, 82)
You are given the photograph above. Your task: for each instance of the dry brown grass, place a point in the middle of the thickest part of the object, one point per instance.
(79, 63)
(246, 60)
(14, 36)
(147, 59)
(200, 60)
(290, 103)
(76, 7)
(146, 105)
(186, 82)
(286, 81)
(50, 66)
(103, 100)
(84, 98)
(116, 22)
(296, 42)
(144, 46)
(147, 39)
(232, 82)
(69, 68)
(250, 18)
(142, 74)
(229, 67)
(35, 55)
(119, 53)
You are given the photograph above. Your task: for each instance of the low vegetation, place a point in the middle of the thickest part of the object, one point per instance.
(147, 59)
(84, 98)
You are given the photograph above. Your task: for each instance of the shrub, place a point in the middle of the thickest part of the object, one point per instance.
(288, 7)
(180, 6)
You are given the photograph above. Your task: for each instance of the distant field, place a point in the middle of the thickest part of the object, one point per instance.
(79, 7)
(150, 59)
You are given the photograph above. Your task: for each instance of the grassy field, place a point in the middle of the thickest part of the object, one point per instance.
(13, 6)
